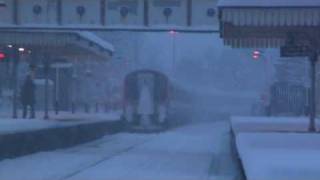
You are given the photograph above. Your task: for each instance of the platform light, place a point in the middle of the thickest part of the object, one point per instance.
(21, 49)
(10, 46)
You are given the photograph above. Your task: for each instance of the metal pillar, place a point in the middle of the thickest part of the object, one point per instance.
(74, 88)
(57, 91)
(146, 12)
(97, 107)
(16, 59)
(174, 53)
(312, 103)
(173, 63)
(189, 13)
(46, 90)
(73, 110)
(86, 108)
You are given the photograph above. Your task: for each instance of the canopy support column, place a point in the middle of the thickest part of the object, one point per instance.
(16, 59)
(312, 102)
(46, 63)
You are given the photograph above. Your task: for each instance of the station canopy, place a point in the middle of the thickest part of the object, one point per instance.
(266, 23)
(58, 43)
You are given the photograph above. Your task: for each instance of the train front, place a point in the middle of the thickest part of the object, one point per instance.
(146, 101)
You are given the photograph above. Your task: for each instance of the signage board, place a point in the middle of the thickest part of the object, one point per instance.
(294, 51)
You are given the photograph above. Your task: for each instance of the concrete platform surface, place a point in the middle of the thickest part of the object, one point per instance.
(20, 137)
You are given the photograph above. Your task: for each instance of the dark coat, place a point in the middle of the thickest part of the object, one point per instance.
(28, 92)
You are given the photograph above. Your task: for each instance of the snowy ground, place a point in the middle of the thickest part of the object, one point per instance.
(9, 125)
(186, 153)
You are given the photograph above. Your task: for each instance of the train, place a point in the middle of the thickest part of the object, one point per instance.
(146, 100)
(152, 103)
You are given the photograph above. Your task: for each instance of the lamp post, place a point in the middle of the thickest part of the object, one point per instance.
(313, 61)
(88, 74)
(16, 60)
(46, 68)
(256, 55)
(74, 90)
(173, 34)
(57, 90)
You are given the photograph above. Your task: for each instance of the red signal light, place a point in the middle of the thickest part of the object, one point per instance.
(256, 54)
(173, 32)
(2, 56)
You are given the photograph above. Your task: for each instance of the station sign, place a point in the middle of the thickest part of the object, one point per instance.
(295, 51)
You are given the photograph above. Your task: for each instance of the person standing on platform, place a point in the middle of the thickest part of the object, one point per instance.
(28, 96)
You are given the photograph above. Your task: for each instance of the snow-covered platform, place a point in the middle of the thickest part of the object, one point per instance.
(280, 156)
(270, 124)
(185, 153)
(277, 148)
(24, 136)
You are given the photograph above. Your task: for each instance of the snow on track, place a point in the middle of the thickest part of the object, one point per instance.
(184, 154)
(64, 163)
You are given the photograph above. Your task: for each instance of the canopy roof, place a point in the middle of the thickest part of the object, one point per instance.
(266, 23)
(59, 43)
(269, 3)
